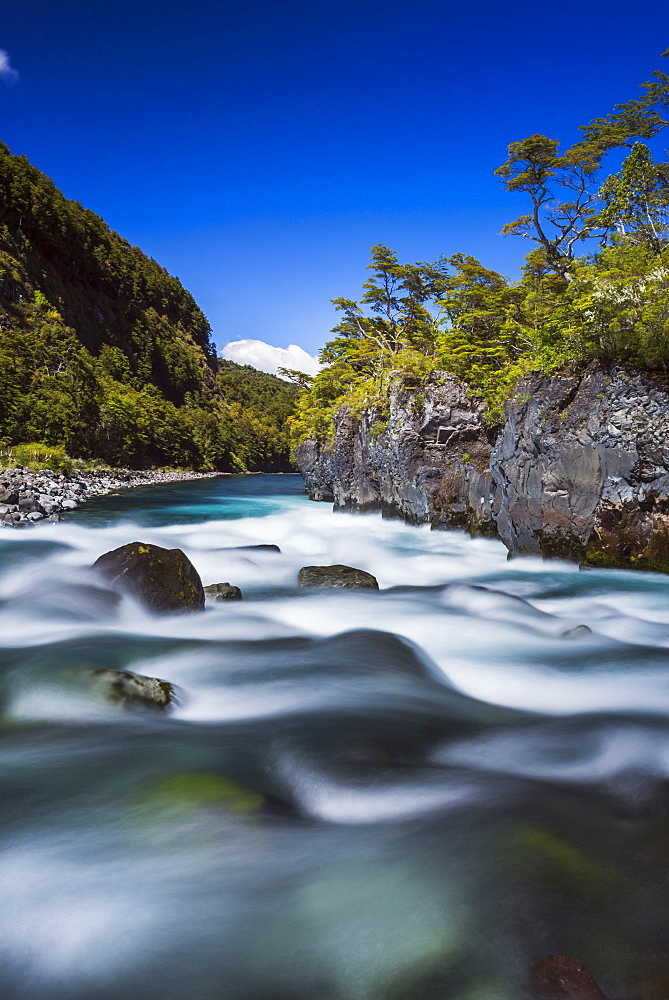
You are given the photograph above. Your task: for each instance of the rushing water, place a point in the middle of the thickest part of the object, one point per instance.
(413, 794)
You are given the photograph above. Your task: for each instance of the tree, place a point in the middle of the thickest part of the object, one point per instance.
(298, 378)
(397, 297)
(563, 189)
(636, 200)
(557, 225)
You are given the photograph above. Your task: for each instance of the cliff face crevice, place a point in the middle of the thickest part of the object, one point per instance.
(579, 469)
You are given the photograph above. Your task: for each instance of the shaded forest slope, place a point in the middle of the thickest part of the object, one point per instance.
(104, 353)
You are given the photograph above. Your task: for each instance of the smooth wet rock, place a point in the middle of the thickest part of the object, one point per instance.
(164, 580)
(223, 592)
(561, 977)
(122, 687)
(576, 633)
(262, 547)
(336, 576)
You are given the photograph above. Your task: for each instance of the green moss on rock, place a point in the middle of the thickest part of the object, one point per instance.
(164, 580)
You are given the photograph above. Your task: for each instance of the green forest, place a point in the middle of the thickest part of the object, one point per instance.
(106, 356)
(595, 283)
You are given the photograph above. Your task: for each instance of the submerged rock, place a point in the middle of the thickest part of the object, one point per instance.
(125, 688)
(164, 580)
(576, 633)
(261, 547)
(189, 792)
(223, 592)
(561, 977)
(336, 576)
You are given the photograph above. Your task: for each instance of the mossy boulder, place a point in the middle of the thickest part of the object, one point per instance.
(164, 580)
(122, 687)
(336, 576)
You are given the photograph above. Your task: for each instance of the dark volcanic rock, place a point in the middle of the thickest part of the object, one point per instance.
(164, 580)
(223, 592)
(560, 977)
(579, 469)
(428, 463)
(336, 576)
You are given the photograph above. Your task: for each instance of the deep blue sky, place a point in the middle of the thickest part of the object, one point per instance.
(258, 149)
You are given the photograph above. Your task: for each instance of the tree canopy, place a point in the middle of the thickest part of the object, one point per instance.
(105, 353)
(596, 283)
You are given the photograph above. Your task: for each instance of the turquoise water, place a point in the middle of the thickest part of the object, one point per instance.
(196, 500)
(409, 794)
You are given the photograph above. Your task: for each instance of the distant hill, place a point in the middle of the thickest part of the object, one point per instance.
(105, 353)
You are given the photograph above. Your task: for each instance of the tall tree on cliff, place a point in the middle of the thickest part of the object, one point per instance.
(393, 314)
(563, 187)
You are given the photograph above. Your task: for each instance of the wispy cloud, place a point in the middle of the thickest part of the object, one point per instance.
(266, 358)
(7, 72)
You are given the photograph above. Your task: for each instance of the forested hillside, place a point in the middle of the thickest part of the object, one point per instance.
(106, 354)
(594, 285)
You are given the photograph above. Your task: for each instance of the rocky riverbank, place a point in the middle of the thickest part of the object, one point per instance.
(27, 497)
(579, 469)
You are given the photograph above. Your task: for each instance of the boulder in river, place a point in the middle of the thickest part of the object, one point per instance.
(122, 687)
(223, 592)
(164, 580)
(561, 977)
(336, 576)
(576, 633)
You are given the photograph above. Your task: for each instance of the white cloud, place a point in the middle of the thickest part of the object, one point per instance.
(268, 359)
(6, 72)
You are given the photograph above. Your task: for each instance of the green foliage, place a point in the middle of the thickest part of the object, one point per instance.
(37, 455)
(557, 221)
(461, 317)
(636, 200)
(260, 406)
(562, 191)
(104, 354)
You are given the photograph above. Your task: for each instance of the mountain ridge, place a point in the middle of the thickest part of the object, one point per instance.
(104, 353)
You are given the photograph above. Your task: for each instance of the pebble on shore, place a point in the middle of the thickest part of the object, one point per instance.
(27, 497)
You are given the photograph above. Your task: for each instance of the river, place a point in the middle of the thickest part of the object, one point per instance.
(410, 794)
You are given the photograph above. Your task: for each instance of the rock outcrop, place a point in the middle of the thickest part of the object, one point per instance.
(164, 580)
(429, 461)
(579, 469)
(336, 576)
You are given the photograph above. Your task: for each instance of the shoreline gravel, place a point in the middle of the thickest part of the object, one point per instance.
(27, 497)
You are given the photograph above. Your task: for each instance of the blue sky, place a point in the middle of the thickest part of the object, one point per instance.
(257, 150)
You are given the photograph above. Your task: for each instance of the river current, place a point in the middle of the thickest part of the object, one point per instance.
(410, 794)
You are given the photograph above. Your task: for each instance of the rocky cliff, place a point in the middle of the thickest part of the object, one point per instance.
(579, 469)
